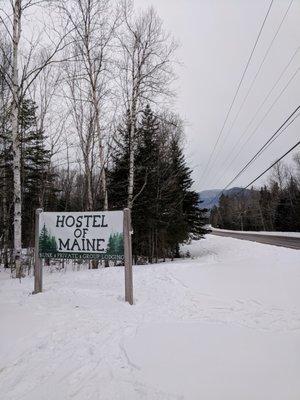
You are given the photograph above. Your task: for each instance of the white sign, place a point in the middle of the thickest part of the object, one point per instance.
(85, 235)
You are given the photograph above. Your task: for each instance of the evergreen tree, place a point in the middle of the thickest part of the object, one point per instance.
(37, 179)
(165, 211)
(118, 174)
(47, 243)
(186, 219)
(146, 186)
(115, 244)
(36, 175)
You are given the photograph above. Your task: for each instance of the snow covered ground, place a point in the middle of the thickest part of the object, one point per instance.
(222, 325)
(267, 233)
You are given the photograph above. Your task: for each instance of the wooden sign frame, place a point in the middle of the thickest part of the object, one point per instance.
(127, 232)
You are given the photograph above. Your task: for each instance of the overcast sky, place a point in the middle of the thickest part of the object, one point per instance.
(216, 38)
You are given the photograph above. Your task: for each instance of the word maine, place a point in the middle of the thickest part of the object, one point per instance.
(82, 221)
(79, 245)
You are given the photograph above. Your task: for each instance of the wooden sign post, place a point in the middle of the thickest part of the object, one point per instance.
(128, 256)
(38, 270)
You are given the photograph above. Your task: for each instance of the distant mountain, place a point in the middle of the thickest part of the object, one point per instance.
(210, 198)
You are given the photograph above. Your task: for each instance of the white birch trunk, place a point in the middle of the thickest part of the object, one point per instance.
(101, 156)
(5, 216)
(131, 169)
(88, 174)
(131, 154)
(16, 139)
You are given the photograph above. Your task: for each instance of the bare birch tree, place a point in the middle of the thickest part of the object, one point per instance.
(4, 155)
(25, 67)
(51, 116)
(280, 174)
(83, 121)
(94, 23)
(145, 65)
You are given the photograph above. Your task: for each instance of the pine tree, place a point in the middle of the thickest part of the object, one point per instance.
(187, 219)
(47, 243)
(37, 177)
(118, 174)
(43, 239)
(146, 186)
(166, 211)
(115, 244)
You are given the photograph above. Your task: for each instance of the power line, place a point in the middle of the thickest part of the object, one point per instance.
(258, 125)
(275, 135)
(288, 121)
(268, 169)
(256, 75)
(260, 107)
(238, 88)
(271, 166)
(264, 102)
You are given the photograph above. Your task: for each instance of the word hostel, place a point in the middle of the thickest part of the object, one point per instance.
(86, 221)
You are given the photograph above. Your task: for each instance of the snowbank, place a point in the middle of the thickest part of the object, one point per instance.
(223, 325)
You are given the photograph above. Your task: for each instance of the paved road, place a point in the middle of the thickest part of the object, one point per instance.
(283, 241)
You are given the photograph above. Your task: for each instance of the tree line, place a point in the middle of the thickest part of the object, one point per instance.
(84, 123)
(273, 207)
